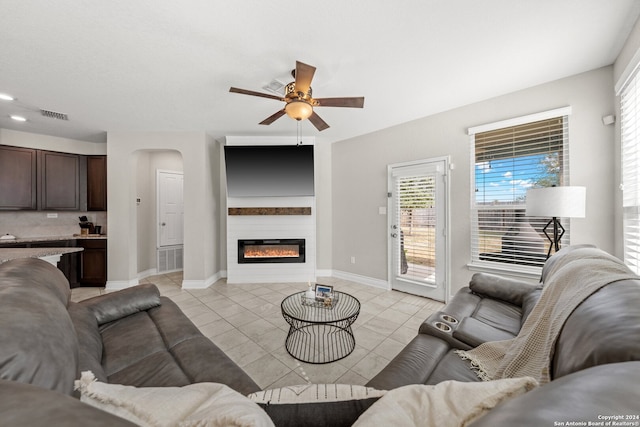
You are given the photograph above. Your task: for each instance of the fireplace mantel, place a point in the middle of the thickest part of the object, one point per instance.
(270, 211)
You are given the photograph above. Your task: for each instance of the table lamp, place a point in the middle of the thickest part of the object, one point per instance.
(556, 202)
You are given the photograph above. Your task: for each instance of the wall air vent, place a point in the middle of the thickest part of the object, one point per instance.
(54, 115)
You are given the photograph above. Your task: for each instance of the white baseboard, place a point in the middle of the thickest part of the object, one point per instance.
(324, 273)
(147, 273)
(202, 284)
(364, 280)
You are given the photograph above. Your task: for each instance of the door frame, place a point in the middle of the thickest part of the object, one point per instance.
(448, 167)
(158, 208)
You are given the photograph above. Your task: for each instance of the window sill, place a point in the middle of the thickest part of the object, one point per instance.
(506, 269)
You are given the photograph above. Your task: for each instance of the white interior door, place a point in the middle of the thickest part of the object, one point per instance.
(418, 225)
(170, 208)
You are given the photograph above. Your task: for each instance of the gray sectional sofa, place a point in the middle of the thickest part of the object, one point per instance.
(136, 337)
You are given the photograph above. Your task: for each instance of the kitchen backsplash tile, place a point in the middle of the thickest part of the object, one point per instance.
(36, 224)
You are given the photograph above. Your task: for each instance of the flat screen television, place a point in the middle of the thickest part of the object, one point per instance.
(269, 170)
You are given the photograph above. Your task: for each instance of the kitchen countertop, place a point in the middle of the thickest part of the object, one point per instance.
(52, 238)
(7, 254)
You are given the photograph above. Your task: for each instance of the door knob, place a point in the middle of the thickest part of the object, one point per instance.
(163, 224)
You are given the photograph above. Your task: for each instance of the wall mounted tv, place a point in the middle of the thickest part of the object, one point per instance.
(269, 170)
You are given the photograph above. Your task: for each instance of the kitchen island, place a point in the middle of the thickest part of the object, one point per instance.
(51, 255)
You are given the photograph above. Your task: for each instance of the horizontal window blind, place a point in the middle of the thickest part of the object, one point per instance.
(630, 136)
(417, 213)
(507, 162)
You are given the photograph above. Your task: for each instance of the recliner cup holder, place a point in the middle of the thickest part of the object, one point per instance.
(449, 319)
(442, 326)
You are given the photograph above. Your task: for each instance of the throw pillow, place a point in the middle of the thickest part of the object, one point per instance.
(200, 404)
(447, 404)
(312, 393)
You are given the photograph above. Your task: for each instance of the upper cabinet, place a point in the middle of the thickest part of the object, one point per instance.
(60, 181)
(18, 178)
(46, 180)
(96, 183)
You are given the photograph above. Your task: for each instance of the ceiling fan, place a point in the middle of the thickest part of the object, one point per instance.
(299, 101)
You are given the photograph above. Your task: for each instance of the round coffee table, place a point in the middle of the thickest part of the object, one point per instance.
(320, 334)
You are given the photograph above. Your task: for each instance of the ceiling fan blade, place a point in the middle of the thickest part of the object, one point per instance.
(304, 75)
(252, 93)
(318, 122)
(272, 118)
(340, 102)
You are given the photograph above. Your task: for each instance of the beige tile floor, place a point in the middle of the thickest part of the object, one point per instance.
(245, 321)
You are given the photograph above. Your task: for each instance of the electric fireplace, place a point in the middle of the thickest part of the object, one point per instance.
(269, 251)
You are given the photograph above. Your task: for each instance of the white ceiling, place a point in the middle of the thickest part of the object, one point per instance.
(166, 65)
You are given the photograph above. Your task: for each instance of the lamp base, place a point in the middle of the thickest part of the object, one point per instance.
(558, 232)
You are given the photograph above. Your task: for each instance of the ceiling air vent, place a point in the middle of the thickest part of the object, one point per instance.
(54, 115)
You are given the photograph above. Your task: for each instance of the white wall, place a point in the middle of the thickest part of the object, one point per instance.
(324, 236)
(360, 164)
(201, 180)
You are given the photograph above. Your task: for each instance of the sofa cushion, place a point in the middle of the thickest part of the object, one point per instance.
(38, 344)
(605, 328)
(162, 347)
(413, 365)
(89, 340)
(40, 274)
(202, 404)
(505, 289)
(474, 332)
(448, 404)
(27, 405)
(530, 301)
(582, 397)
(452, 367)
(500, 315)
(316, 405)
(113, 306)
(319, 414)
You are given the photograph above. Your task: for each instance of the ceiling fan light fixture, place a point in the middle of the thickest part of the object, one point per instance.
(298, 109)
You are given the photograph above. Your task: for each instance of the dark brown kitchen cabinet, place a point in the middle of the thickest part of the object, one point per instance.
(97, 183)
(93, 262)
(59, 181)
(18, 178)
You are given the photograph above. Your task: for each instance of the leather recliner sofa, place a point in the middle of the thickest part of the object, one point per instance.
(133, 337)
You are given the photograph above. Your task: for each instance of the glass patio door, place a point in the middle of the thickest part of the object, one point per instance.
(417, 222)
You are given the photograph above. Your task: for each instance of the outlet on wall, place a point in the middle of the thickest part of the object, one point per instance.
(353, 260)
(52, 215)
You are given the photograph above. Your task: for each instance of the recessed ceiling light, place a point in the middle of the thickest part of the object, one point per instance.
(18, 118)
(6, 97)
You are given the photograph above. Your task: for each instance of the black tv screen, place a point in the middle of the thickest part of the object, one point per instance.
(269, 170)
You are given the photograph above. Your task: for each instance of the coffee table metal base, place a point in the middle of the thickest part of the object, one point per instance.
(319, 343)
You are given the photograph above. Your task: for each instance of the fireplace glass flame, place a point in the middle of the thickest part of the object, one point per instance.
(271, 251)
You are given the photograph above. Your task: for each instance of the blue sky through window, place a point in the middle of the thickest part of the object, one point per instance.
(506, 181)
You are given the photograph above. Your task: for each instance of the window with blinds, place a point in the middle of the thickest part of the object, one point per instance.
(508, 161)
(630, 136)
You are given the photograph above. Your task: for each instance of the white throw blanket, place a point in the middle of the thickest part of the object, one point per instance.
(570, 281)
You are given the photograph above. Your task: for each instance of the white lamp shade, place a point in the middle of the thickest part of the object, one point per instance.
(561, 202)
